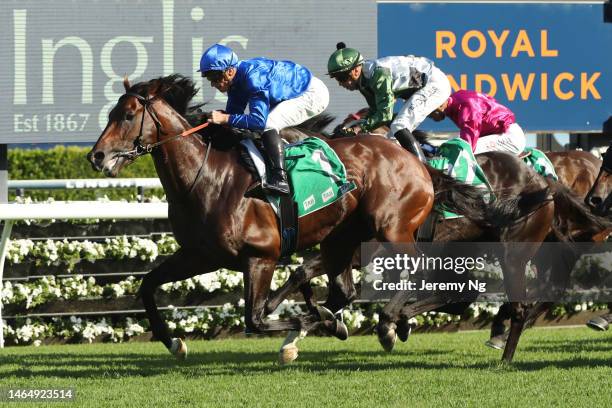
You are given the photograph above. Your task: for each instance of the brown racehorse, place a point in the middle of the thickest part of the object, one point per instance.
(216, 226)
(509, 178)
(576, 170)
(497, 166)
(599, 197)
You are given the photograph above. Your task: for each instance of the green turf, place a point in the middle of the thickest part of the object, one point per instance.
(553, 367)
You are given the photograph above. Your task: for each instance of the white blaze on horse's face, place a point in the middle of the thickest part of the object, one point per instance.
(118, 137)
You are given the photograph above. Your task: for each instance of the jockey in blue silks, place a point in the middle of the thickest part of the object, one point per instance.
(279, 94)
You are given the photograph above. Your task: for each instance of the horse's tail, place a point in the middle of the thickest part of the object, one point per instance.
(573, 219)
(463, 199)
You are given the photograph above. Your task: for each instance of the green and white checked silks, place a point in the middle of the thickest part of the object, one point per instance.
(318, 178)
(457, 160)
(540, 163)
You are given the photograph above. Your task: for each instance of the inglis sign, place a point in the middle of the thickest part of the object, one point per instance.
(62, 61)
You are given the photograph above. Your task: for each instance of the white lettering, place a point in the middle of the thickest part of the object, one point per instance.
(20, 93)
(48, 56)
(142, 60)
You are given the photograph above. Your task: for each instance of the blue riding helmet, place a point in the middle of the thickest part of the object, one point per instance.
(217, 58)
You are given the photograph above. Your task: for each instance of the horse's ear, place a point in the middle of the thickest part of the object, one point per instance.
(126, 83)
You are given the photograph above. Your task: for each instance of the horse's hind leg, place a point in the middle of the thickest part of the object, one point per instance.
(183, 264)
(301, 276)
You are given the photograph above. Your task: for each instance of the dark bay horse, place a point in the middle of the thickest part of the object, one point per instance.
(216, 226)
(509, 178)
(576, 170)
(599, 196)
(581, 172)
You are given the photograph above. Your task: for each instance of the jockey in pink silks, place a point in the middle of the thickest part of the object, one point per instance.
(483, 122)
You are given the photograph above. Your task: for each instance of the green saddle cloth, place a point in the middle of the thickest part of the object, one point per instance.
(540, 163)
(457, 160)
(317, 175)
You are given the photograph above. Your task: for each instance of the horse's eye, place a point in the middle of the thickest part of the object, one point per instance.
(129, 116)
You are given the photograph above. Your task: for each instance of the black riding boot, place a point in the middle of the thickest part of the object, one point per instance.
(276, 177)
(408, 142)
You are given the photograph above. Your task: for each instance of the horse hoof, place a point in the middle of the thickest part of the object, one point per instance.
(178, 349)
(342, 332)
(387, 337)
(287, 354)
(325, 314)
(497, 342)
(403, 330)
(598, 323)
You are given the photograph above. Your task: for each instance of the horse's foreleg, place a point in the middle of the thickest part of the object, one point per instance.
(183, 264)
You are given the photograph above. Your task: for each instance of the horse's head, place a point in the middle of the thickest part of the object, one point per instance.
(129, 126)
(142, 115)
(599, 198)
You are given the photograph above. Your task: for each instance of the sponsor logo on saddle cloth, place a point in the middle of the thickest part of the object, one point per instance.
(317, 176)
(457, 160)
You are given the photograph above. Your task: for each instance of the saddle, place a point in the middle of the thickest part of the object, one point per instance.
(286, 209)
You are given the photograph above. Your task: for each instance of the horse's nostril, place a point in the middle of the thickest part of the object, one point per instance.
(595, 201)
(99, 156)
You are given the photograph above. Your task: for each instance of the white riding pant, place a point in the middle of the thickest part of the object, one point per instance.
(422, 103)
(294, 111)
(511, 141)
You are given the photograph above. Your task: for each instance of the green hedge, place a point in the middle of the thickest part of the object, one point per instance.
(70, 162)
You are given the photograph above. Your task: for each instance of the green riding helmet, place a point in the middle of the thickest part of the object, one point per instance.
(343, 59)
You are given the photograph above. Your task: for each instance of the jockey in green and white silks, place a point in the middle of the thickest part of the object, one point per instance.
(279, 94)
(417, 80)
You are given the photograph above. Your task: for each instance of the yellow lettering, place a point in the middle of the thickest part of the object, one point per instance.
(518, 83)
(465, 44)
(480, 78)
(589, 85)
(498, 41)
(455, 85)
(544, 45)
(522, 44)
(564, 76)
(544, 86)
(442, 45)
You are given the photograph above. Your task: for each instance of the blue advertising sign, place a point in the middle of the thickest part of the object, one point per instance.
(550, 63)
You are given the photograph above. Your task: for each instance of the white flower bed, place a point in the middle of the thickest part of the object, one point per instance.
(69, 253)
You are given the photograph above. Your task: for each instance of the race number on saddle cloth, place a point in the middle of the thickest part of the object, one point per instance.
(316, 173)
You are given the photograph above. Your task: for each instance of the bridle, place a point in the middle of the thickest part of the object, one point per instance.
(140, 149)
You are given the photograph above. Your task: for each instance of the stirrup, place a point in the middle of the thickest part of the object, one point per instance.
(276, 189)
(280, 184)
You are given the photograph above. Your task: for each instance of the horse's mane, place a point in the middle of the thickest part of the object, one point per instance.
(178, 91)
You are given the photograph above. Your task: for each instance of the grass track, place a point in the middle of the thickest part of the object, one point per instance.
(560, 367)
